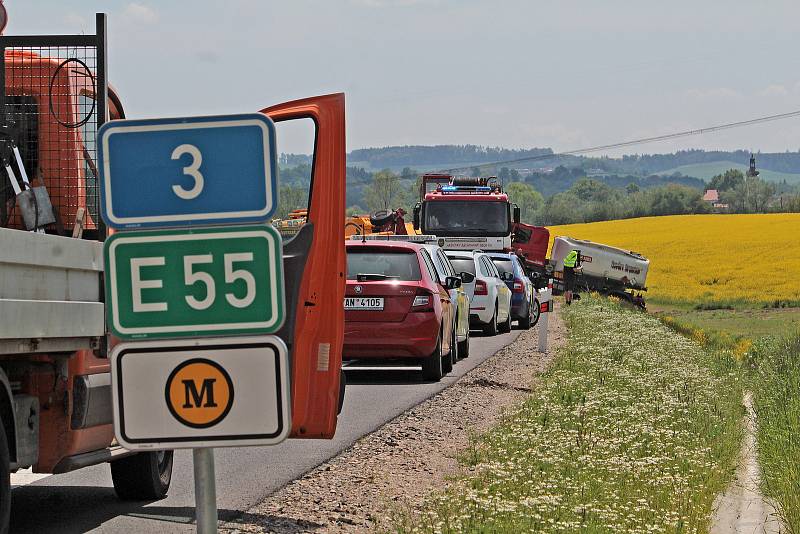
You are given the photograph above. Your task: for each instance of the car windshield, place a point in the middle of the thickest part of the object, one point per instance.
(503, 265)
(463, 265)
(466, 217)
(398, 265)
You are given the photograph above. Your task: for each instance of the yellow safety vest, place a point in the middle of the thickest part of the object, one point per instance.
(572, 259)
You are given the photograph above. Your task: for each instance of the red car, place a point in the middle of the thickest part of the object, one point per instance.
(396, 307)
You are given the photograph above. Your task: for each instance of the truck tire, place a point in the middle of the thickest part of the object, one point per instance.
(491, 328)
(142, 477)
(381, 217)
(5, 483)
(432, 365)
(463, 346)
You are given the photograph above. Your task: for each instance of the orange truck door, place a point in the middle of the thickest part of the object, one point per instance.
(314, 263)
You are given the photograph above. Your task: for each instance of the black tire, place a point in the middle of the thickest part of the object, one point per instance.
(537, 311)
(381, 217)
(447, 359)
(463, 346)
(454, 352)
(525, 322)
(432, 365)
(505, 328)
(5, 483)
(142, 477)
(491, 328)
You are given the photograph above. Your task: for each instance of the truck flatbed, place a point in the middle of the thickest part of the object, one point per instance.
(50, 293)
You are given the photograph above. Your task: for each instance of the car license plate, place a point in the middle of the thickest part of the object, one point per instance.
(363, 303)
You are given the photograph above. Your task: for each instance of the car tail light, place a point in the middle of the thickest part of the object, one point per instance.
(480, 288)
(423, 302)
(519, 287)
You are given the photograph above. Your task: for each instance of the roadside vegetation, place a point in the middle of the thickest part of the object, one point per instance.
(634, 429)
(776, 392)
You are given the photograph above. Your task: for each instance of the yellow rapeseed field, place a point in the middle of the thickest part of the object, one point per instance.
(709, 258)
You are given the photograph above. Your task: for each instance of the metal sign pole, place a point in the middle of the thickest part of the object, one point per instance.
(205, 490)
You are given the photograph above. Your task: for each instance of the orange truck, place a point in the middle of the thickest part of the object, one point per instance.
(55, 394)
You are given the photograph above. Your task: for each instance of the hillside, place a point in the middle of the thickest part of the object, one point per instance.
(706, 171)
(699, 164)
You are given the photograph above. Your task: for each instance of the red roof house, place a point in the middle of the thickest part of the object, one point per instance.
(712, 195)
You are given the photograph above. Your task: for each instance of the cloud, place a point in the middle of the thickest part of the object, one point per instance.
(394, 3)
(714, 93)
(73, 20)
(774, 90)
(207, 56)
(140, 13)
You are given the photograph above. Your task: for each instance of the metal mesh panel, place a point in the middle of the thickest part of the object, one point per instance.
(51, 109)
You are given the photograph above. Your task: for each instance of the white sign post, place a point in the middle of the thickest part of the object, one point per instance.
(546, 304)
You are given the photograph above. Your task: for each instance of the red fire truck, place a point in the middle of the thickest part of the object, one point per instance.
(476, 214)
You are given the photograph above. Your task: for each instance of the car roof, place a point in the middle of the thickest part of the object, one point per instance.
(500, 255)
(376, 243)
(459, 254)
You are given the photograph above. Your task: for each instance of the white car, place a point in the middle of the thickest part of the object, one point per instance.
(458, 297)
(489, 296)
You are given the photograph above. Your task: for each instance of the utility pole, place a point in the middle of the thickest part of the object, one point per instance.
(751, 173)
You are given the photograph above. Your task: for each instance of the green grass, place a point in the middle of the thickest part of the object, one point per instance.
(706, 171)
(776, 394)
(773, 365)
(751, 323)
(634, 429)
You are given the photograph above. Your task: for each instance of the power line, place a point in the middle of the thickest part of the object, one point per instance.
(633, 142)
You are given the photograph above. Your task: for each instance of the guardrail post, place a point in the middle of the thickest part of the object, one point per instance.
(546, 303)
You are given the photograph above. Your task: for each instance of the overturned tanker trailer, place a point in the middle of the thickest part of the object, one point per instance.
(605, 269)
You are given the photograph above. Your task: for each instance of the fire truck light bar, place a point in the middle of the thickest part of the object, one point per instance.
(409, 238)
(466, 189)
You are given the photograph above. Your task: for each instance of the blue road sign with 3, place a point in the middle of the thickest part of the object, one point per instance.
(188, 171)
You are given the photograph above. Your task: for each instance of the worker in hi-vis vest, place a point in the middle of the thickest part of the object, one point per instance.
(572, 262)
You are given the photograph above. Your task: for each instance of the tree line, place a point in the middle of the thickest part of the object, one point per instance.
(586, 199)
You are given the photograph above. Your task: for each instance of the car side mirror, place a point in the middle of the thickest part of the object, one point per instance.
(466, 277)
(516, 214)
(417, 209)
(507, 276)
(452, 282)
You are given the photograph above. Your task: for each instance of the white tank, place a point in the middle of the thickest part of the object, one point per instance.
(602, 261)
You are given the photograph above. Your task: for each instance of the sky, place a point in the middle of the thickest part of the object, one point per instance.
(565, 74)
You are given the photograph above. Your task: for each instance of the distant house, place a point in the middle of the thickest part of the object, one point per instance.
(712, 196)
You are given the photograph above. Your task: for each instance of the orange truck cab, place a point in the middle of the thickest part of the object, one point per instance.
(55, 394)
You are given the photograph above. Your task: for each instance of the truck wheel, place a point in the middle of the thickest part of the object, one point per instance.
(463, 346)
(5, 483)
(491, 328)
(142, 477)
(432, 365)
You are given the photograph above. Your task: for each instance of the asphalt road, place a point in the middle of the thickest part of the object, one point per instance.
(84, 500)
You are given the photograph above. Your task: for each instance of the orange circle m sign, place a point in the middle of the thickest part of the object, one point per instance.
(199, 393)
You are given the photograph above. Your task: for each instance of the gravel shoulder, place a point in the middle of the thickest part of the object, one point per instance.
(393, 469)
